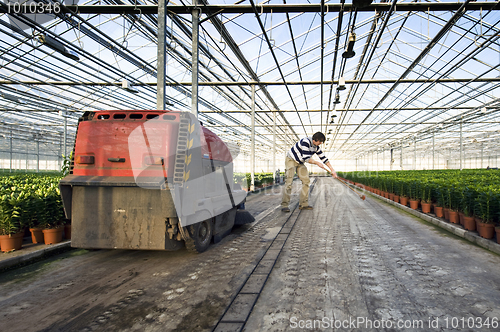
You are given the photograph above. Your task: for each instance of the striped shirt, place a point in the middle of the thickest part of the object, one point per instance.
(304, 149)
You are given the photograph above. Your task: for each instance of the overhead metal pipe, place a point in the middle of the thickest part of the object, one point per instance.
(263, 83)
(275, 8)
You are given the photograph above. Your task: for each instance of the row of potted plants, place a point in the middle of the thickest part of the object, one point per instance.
(459, 196)
(30, 201)
(261, 179)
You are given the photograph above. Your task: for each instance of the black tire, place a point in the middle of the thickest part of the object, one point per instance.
(200, 236)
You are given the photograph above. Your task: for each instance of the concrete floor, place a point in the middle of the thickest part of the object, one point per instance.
(346, 261)
(365, 265)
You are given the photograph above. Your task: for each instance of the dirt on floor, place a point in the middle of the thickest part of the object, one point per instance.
(126, 290)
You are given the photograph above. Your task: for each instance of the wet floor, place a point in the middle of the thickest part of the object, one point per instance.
(341, 266)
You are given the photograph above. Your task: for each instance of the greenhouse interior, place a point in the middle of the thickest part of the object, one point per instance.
(229, 166)
(394, 85)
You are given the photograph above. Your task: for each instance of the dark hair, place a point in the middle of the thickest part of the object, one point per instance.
(319, 136)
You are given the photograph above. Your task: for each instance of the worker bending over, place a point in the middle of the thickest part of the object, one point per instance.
(300, 153)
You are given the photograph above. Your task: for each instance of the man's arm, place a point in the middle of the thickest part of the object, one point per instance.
(334, 174)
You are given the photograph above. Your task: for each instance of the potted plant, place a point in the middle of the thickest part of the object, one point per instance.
(414, 194)
(425, 196)
(466, 207)
(438, 209)
(11, 236)
(31, 206)
(403, 198)
(51, 216)
(454, 203)
(485, 208)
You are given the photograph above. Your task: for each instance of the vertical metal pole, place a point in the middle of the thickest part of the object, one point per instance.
(461, 146)
(27, 156)
(438, 161)
(450, 160)
(377, 160)
(65, 135)
(10, 169)
(482, 148)
(401, 157)
(390, 160)
(321, 60)
(274, 141)
(37, 155)
(195, 52)
(356, 164)
(433, 150)
(252, 156)
(161, 63)
(414, 153)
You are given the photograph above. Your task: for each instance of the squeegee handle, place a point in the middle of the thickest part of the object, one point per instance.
(363, 197)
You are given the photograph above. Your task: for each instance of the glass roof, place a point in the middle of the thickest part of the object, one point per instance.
(415, 74)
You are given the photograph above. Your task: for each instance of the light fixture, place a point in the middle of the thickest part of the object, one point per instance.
(337, 98)
(58, 46)
(13, 98)
(349, 53)
(341, 85)
(129, 87)
(361, 3)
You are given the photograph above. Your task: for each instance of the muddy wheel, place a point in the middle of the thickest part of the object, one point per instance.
(200, 236)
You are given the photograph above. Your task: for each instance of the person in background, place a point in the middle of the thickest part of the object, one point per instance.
(296, 157)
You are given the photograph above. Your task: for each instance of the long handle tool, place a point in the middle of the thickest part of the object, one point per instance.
(345, 184)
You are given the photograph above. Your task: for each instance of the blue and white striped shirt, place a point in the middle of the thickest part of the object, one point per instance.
(304, 149)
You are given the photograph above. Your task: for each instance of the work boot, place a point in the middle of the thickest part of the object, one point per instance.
(285, 209)
(306, 207)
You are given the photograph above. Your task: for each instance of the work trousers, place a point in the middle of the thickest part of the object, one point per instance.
(291, 167)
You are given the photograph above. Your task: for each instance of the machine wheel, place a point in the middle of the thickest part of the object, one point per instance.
(200, 236)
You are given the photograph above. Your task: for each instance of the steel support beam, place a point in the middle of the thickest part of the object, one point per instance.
(461, 145)
(275, 8)
(196, 12)
(482, 151)
(65, 135)
(252, 153)
(38, 155)
(10, 152)
(401, 157)
(262, 83)
(274, 142)
(161, 63)
(433, 150)
(415, 153)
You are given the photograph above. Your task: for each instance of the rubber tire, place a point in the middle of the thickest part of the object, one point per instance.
(200, 236)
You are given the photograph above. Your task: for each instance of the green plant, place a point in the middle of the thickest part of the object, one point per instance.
(66, 164)
(402, 189)
(467, 201)
(10, 216)
(425, 192)
(486, 205)
(414, 190)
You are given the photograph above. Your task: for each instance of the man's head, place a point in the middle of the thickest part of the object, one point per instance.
(318, 138)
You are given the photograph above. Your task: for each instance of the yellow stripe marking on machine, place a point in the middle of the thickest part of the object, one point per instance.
(188, 160)
(190, 144)
(186, 175)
